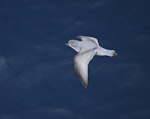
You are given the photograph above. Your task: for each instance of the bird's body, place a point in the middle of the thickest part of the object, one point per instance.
(87, 48)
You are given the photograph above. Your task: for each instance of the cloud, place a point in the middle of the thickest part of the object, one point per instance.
(128, 71)
(100, 3)
(37, 61)
(30, 72)
(2, 63)
(139, 114)
(5, 71)
(46, 113)
(6, 117)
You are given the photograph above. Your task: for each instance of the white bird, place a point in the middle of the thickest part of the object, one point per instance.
(87, 48)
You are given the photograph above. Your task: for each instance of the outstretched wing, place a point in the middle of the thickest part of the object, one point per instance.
(74, 44)
(88, 38)
(81, 62)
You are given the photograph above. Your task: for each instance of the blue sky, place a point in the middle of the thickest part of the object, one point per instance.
(37, 78)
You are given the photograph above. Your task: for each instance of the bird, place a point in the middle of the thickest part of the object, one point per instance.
(87, 47)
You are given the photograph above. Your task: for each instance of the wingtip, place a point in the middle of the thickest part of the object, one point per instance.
(85, 85)
(66, 44)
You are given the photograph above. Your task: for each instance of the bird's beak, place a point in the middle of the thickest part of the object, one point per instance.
(114, 54)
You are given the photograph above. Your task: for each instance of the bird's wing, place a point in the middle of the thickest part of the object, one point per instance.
(81, 62)
(88, 38)
(74, 44)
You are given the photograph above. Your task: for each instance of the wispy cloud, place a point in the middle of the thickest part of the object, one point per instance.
(2, 63)
(101, 3)
(40, 113)
(6, 117)
(5, 71)
(138, 114)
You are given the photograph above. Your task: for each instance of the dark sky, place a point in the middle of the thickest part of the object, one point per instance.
(37, 78)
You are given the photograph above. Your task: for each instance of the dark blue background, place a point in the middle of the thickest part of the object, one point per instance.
(37, 78)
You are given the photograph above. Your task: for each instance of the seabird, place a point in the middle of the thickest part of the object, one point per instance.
(87, 47)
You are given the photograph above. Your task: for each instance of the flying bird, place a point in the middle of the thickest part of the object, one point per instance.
(87, 47)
